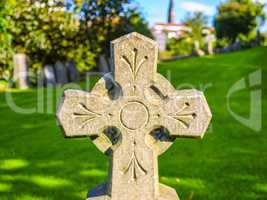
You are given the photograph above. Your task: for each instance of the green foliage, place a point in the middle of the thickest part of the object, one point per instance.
(181, 46)
(83, 57)
(222, 43)
(47, 33)
(264, 40)
(3, 85)
(164, 55)
(237, 17)
(105, 20)
(99, 21)
(246, 40)
(197, 22)
(134, 21)
(185, 45)
(5, 39)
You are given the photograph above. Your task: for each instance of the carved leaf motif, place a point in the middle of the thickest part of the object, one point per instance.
(86, 114)
(133, 65)
(184, 118)
(135, 168)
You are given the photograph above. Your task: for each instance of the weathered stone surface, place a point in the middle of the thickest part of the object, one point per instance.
(49, 75)
(21, 70)
(133, 116)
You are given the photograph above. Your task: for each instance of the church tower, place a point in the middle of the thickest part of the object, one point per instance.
(171, 13)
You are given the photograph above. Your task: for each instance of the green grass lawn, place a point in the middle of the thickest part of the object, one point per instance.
(230, 163)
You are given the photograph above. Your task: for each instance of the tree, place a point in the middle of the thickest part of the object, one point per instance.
(185, 45)
(237, 17)
(5, 39)
(180, 46)
(104, 20)
(134, 21)
(101, 19)
(197, 22)
(52, 30)
(46, 32)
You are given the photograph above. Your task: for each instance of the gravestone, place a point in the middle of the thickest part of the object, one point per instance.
(21, 70)
(197, 50)
(49, 75)
(103, 64)
(210, 47)
(133, 116)
(73, 74)
(61, 73)
(210, 39)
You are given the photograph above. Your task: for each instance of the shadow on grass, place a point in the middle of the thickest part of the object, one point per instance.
(21, 179)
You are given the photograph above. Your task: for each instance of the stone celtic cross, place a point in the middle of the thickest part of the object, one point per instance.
(133, 116)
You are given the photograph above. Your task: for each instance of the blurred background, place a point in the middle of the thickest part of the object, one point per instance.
(217, 46)
(47, 36)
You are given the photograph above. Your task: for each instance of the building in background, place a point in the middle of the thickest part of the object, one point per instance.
(162, 31)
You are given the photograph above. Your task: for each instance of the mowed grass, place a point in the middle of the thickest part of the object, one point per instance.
(230, 163)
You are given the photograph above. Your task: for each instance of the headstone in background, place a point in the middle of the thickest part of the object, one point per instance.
(21, 70)
(210, 47)
(103, 64)
(61, 73)
(73, 74)
(49, 75)
(197, 50)
(132, 127)
(210, 39)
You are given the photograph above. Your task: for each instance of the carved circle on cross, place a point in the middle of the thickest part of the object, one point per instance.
(132, 111)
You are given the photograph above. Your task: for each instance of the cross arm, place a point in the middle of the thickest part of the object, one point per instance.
(187, 114)
(81, 113)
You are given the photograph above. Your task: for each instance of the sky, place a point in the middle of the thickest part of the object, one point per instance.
(156, 10)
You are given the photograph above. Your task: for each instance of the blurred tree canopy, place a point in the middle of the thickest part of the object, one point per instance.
(197, 22)
(46, 32)
(52, 30)
(105, 20)
(237, 17)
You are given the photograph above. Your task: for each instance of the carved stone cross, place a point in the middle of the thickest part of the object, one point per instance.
(133, 116)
